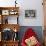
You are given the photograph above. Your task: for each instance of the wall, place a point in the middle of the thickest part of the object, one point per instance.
(24, 5)
(31, 4)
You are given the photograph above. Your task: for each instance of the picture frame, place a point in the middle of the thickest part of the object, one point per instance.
(30, 13)
(5, 12)
(13, 12)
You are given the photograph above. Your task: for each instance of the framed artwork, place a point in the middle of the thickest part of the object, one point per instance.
(13, 12)
(5, 12)
(30, 13)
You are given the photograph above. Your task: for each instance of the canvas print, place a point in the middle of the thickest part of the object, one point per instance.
(30, 13)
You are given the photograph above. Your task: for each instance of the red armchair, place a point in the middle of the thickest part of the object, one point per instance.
(29, 36)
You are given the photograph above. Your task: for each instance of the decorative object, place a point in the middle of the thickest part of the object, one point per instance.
(15, 37)
(13, 12)
(15, 34)
(15, 3)
(30, 13)
(5, 12)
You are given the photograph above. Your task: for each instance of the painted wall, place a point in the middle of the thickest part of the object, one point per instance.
(27, 5)
(32, 4)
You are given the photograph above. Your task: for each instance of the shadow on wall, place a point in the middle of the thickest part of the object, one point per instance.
(37, 29)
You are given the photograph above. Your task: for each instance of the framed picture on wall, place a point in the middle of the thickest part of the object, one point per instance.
(30, 13)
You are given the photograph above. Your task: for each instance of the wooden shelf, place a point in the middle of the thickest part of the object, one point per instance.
(5, 8)
(9, 43)
(10, 26)
(4, 13)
